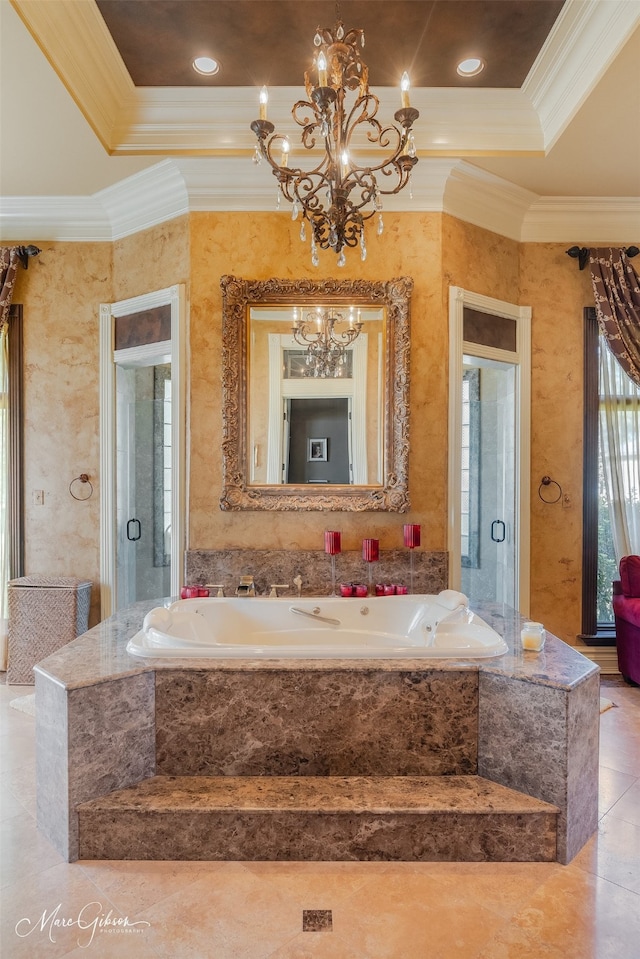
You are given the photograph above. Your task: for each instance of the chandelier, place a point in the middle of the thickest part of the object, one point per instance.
(338, 195)
(326, 346)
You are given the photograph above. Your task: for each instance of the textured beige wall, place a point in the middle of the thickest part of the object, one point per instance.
(151, 260)
(540, 275)
(478, 260)
(557, 291)
(61, 291)
(261, 245)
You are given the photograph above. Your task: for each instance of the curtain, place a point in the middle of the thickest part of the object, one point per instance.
(616, 288)
(4, 492)
(620, 451)
(9, 259)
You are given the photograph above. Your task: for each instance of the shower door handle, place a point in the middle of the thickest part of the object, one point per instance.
(497, 538)
(132, 538)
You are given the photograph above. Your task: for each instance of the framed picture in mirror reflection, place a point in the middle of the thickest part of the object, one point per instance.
(317, 450)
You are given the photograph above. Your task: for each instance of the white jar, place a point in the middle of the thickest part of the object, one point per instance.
(533, 636)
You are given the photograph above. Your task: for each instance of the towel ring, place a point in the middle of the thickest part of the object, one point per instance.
(547, 481)
(83, 478)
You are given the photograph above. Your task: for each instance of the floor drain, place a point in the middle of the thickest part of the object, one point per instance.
(317, 920)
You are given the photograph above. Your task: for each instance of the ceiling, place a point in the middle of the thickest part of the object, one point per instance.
(95, 95)
(158, 39)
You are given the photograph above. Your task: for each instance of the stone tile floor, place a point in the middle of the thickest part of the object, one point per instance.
(200, 910)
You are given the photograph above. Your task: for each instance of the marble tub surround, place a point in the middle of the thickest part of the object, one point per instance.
(101, 653)
(545, 743)
(269, 566)
(316, 723)
(555, 764)
(93, 724)
(402, 818)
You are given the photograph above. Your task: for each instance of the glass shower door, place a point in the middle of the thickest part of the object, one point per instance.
(488, 471)
(143, 483)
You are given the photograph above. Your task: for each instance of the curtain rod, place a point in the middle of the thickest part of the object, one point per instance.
(581, 253)
(25, 252)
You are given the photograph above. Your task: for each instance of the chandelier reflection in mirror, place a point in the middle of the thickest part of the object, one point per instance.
(338, 195)
(326, 345)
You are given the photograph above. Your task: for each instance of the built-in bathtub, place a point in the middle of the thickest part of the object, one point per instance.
(381, 627)
(107, 720)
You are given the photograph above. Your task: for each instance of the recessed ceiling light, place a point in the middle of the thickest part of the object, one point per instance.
(207, 66)
(470, 67)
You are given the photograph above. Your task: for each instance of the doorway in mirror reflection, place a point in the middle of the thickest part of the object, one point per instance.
(346, 408)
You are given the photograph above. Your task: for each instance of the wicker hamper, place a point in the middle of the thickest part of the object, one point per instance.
(44, 614)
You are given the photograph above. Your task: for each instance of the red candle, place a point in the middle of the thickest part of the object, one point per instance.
(332, 542)
(411, 535)
(370, 550)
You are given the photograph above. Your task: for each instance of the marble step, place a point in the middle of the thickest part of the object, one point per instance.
(406, 818)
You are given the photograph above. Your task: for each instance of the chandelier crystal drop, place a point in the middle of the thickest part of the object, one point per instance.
(337, 195)
(326, 345)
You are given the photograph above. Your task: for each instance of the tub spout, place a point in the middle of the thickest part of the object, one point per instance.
(246, 587)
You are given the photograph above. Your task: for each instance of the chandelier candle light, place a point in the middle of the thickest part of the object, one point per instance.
(326, 345)
(411, 540)
(337, 195)
(332, 546)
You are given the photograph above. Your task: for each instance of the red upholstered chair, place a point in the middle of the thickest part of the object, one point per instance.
(626, 609)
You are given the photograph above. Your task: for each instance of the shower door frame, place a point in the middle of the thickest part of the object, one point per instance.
(174, 297)
(520, 358)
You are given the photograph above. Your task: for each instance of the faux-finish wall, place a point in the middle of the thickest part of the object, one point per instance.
(61, 293)
(263, 245)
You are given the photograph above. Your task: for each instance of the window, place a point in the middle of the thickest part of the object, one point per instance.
(13, 468)
(611, 474)
(296, 365)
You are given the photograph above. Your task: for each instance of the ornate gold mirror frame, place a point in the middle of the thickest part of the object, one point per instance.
(239, 295)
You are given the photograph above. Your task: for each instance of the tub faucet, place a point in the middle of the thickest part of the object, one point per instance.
(246, 587)
(273, 593)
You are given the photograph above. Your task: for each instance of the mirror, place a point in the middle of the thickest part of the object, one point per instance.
(315, 394)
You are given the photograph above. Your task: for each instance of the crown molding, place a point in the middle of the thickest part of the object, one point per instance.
(476, 120)
(586, 220)
(584, 40)
(191, 121)
(184, 121)
(476, 196)
(232, 184)
(145, 199)
(75, 219)
(177, 187)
